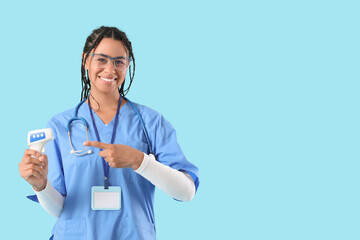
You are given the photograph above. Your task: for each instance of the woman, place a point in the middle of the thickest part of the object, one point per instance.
(115, 171)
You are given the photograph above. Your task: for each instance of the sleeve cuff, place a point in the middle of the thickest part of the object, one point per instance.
(45, 190)
(144, 163)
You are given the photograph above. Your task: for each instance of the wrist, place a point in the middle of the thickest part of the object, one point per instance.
(139, 157)
(39, 189)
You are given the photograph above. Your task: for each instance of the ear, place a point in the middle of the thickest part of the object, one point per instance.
(86, 62)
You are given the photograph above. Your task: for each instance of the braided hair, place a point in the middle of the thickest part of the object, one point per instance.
(92, 42)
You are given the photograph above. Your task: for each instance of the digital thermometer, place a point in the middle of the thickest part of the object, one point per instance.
(38, 138)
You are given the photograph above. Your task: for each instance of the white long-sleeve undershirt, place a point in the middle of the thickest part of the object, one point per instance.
(51, 200)
(176, 184)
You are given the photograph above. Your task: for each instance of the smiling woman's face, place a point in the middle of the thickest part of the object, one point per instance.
(106, 80)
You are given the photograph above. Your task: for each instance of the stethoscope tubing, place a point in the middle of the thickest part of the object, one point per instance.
(76, 118)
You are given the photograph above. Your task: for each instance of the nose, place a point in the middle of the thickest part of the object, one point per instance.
(111, 66)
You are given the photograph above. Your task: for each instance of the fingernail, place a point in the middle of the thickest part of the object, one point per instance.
(85, 143)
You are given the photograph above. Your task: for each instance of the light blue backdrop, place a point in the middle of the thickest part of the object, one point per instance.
(263, 95)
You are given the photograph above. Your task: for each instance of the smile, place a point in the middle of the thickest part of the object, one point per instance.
(108, 79)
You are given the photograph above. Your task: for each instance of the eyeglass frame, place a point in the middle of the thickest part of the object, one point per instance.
(112, 58)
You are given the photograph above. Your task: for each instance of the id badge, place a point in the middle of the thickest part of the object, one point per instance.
(105, 199)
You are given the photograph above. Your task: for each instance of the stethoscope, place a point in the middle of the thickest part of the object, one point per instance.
(76, 118)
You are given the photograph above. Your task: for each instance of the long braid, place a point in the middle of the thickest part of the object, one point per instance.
(92, 42)
(131, 74)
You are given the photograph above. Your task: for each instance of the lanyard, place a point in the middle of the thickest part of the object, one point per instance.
(106, 164)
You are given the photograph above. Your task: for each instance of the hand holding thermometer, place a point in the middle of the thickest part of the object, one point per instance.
(33, 165)
(38, 138)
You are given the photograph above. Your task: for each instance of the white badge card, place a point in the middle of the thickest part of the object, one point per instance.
(105, 199)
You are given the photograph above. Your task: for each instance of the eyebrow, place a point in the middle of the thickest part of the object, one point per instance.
(104, 55)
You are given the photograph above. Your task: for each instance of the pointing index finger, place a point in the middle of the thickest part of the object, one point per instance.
(96, 144)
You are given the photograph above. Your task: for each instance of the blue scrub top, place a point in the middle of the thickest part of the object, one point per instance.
(74, 176)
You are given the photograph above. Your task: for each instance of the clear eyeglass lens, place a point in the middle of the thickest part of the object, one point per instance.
(101, 61)
(121, 63)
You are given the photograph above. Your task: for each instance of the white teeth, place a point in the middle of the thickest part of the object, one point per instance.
(108, 80)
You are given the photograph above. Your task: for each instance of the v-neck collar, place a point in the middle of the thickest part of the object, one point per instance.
(84, 109)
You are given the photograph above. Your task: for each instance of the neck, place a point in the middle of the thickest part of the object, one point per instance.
(106, 101)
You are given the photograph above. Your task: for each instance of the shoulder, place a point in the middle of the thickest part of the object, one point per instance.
(62, 118)
(145, 110)
(150, 116)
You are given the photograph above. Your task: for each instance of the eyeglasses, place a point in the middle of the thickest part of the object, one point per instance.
(101, 61)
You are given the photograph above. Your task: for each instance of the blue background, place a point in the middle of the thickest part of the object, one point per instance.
(263, 95)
